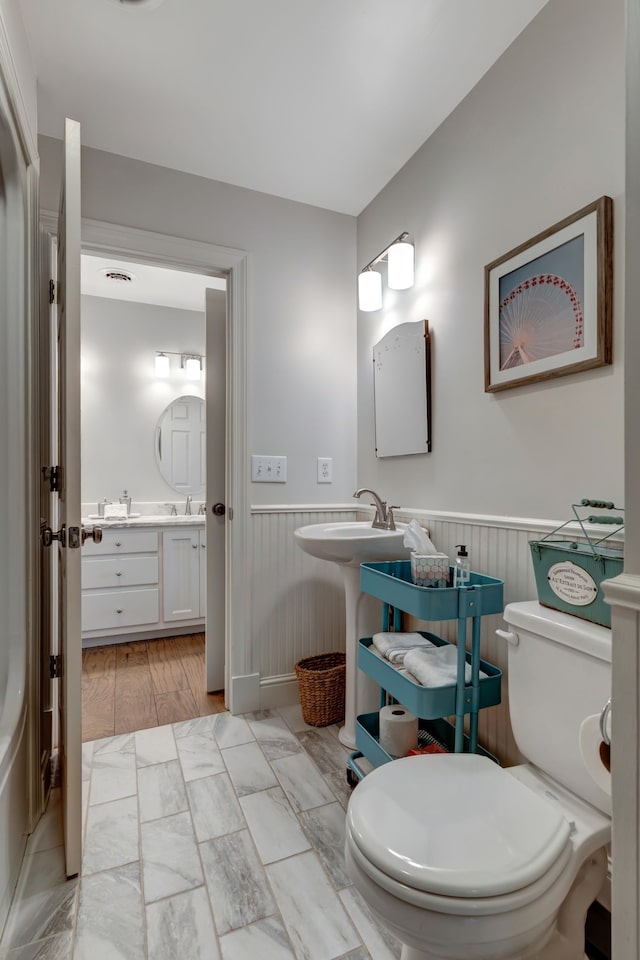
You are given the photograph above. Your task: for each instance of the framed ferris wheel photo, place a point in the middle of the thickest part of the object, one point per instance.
(548, 302)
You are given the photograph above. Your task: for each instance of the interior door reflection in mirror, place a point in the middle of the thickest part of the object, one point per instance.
(181, 445)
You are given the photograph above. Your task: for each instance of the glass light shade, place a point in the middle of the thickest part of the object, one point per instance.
(370, 290)
(162, 365)
(400, 266)
(192, 368)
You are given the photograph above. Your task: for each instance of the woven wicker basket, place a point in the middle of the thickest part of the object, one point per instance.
(321, 685)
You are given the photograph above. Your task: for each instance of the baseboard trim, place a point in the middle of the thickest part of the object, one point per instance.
(278, 692)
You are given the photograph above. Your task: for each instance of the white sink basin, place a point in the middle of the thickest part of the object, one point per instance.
(352, 542)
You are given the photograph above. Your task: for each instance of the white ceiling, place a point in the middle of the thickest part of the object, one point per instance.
(321, 102)
(156, 285)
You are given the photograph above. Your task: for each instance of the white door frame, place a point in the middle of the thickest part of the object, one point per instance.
(194, 256)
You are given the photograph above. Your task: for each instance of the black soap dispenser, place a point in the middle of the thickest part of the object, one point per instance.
(461, 567)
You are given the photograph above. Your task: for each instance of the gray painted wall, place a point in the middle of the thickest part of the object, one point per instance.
(21, 62)
(301, 328)
(122, 400)
(540, 136)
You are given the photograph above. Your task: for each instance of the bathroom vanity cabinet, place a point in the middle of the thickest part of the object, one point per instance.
(143, 581)
(391, 582)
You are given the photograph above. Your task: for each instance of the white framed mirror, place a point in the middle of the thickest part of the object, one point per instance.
(402, 390)
(180, 445)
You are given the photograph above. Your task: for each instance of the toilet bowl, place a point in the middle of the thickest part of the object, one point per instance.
(464, 860)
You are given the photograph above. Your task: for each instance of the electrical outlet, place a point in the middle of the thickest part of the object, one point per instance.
(325, 470)
(268, 469)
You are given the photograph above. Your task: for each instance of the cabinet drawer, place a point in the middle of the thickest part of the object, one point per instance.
(125, 571)
(122, 541)
(119, 608)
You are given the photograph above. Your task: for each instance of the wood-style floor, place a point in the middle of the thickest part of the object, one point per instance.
(132, 686)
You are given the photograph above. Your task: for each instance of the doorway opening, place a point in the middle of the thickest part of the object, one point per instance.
(148, 616)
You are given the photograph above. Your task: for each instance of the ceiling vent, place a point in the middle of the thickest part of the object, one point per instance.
(119, 276)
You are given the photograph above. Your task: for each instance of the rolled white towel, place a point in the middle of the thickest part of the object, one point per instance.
(436, 666)
(393, 646)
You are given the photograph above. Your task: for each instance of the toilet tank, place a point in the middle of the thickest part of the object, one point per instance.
(559, 672)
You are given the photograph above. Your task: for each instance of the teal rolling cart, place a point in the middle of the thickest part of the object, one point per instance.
(391, 582)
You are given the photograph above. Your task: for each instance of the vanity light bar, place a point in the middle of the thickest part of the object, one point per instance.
(400, 273)
(191, 363)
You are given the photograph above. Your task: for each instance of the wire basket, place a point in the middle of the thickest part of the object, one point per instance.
(321, 681)
(569, 574)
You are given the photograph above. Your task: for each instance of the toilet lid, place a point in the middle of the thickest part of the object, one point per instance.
(456, 825)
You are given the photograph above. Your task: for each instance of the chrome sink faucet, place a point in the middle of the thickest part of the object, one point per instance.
(172, 509)
(383, 519)
(187, 506)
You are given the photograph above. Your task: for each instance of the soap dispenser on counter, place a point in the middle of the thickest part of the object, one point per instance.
(101, 506)
(125, 498)
(461, 567)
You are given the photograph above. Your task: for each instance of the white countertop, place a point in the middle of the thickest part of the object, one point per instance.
(195, 520)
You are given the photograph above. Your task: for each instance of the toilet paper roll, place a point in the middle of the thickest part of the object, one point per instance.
(398, 730)
(595, 753)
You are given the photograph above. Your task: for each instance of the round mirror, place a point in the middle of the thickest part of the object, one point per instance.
(181, 445)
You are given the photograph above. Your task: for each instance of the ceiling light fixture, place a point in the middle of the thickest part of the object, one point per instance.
(136, 3)
(400, 273)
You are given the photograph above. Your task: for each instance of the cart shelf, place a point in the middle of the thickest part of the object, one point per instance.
(438, 731)
(391, 582)
(429, 702)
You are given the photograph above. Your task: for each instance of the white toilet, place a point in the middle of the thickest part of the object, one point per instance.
(464, 860)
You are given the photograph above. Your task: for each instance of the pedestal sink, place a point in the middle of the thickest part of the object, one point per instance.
(350, 544)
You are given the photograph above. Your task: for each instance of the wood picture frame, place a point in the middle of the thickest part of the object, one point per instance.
(548, 302)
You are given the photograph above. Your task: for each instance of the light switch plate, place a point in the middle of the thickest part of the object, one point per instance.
(266, 469)
(325, 469)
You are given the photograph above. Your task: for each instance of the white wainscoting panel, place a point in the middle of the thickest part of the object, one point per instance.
(297, 602)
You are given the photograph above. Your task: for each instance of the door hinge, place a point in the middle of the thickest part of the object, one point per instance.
(52, 291)
(53, 476)
(47, 536)
(55, 666)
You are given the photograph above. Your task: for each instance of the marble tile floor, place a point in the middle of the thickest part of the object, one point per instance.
(218, 838)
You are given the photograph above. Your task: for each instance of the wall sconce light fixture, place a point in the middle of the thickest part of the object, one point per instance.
(163, 366)
(192, 366)
(400, 273)
(191, 363)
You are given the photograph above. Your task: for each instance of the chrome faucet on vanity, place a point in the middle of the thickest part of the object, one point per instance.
(187, 506)
(383, 519)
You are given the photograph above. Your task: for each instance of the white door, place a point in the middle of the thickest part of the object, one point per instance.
(181, 444)
(68, 299)
(216, 523)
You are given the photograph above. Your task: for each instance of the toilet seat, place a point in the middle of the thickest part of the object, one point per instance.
(456, 826)
(466, 907)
